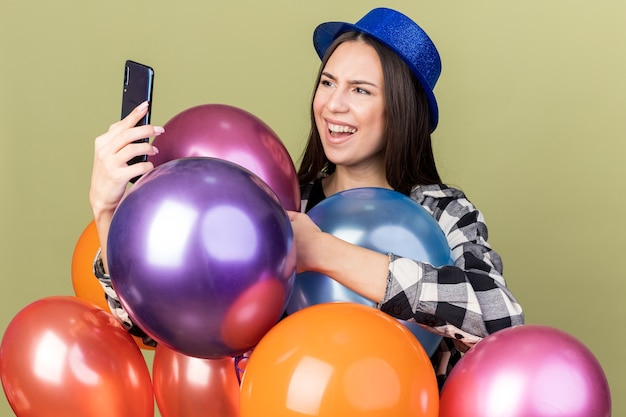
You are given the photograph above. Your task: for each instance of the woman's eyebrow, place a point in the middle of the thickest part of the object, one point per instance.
(352, 82)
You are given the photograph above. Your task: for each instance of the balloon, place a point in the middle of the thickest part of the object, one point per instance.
(86, 285)
(194, 387)
(201, 255)
(62, 356)
(229, 133)
(527, 371)
(339, 359)
(381, 220)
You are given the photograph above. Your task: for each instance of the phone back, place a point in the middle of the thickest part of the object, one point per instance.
(138, 79)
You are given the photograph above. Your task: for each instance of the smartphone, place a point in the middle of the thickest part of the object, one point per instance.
(138, 85)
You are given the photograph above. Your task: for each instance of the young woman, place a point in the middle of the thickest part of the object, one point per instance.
(372, 113)
(372, 116)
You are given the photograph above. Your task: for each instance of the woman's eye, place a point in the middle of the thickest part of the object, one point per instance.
(326, 83)
(361, 91)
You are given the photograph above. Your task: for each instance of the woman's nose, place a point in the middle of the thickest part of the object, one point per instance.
(337, 101)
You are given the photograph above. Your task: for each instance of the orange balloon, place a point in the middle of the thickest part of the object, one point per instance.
(63, 356)
(185, 386)
(86, 285)
(339, 359)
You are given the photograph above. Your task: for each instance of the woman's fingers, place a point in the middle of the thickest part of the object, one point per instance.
(125, 131)
(130, 120)
(136, 170)
(132, 150)
(115, 140)
(112, 151)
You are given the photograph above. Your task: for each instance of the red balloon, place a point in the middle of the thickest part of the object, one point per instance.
(339, 359)
(62, 356)
(185, 386)
(86, 286)
(229, 133)
(246, 320)
(527, 371)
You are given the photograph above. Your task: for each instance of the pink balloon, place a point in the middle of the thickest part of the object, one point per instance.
(63, 356)
(229, 133)
(527, 371)
(185, 386)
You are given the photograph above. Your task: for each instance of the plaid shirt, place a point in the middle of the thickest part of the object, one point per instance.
(464, 302)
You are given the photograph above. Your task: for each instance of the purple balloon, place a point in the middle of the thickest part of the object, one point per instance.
(201, 255)
(229, 133)
(527, 371)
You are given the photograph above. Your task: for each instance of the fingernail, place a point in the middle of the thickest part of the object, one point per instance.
(158, 130)
(143, 105)
(155, 149)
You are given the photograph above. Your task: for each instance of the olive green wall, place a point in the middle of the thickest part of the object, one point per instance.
(532, 100)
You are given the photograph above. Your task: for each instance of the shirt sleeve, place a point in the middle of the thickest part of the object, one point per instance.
(114, 303)
(465, 301)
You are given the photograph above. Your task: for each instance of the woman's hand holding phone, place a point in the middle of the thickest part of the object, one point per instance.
(111, 172)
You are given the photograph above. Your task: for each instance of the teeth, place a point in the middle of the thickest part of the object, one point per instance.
(340, 129)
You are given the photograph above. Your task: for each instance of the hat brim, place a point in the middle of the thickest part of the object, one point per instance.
(326, 33)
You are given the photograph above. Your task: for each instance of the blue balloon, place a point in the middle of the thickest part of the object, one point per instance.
(381, 220)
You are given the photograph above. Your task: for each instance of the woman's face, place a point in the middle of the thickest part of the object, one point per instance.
(349, 107)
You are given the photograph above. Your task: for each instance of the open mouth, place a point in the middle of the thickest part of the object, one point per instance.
(339, 131)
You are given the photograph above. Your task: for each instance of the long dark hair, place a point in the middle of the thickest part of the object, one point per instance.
(409, 158)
